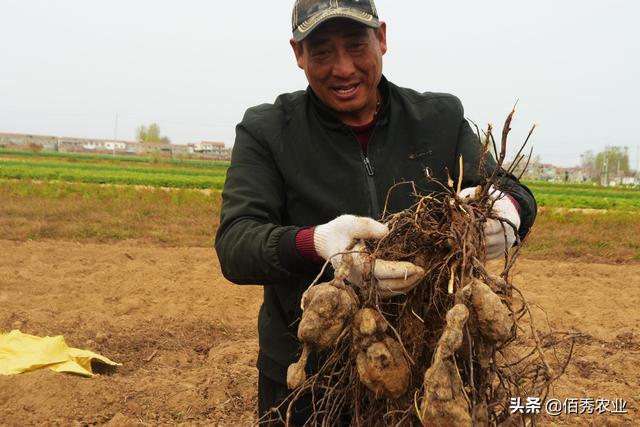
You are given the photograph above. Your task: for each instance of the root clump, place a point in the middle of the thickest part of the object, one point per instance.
(453, 351)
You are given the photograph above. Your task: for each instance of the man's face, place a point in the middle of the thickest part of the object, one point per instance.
(342, 60)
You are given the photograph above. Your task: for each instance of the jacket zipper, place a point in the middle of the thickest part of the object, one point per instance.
(367, 165)
(373, 194)
(372, 185)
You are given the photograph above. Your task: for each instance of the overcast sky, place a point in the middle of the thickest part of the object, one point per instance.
(68, 67)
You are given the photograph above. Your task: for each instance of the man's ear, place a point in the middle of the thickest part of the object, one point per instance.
(381, 35)
(297, 51)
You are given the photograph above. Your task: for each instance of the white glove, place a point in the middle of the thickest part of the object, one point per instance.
(494, 230)
(334, 237)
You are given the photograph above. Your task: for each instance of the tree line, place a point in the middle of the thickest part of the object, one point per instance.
(151, 133)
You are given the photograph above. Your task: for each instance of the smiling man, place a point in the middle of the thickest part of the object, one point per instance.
(343, 64)
(310, 174)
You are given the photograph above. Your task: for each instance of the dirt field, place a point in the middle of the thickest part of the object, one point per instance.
(188, 345)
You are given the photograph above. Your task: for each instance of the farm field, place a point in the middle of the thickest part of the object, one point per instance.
(113, 158)
(129, 271)
(187, 338)
(102, 169)
(584, 196)
(192, 173)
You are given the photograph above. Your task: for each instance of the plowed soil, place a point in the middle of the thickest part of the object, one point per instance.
(187, 338)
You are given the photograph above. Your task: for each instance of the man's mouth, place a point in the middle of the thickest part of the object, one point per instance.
(346, 90)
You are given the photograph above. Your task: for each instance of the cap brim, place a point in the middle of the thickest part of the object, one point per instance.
(304, 29)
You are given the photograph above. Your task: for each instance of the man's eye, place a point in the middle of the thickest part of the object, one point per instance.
(321, 53)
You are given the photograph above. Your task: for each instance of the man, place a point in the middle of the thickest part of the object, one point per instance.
(310, 173)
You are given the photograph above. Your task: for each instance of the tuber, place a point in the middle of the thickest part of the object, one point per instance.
(383, 369)
(327, 308)
(494, 318)
(444, 402)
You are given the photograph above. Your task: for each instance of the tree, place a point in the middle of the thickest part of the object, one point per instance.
(150, 134)
(612, 162)
(588, 165)
(616, 160)
(588, 160)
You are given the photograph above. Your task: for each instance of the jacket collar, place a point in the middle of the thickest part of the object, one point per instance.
(329, 119)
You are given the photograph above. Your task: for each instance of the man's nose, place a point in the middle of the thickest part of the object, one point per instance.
(343, 65)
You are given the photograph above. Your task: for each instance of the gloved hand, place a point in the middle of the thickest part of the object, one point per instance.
(494, 230)
(334, 237)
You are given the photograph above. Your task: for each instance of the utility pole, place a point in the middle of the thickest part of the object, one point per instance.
(115, 135)
(605, 167)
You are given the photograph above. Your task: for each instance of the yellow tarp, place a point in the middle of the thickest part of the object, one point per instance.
(23, 353)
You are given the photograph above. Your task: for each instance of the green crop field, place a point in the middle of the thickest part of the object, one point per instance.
(584, 196)
(193, 163)
(54, 195)
(101, 169)
(202, 174)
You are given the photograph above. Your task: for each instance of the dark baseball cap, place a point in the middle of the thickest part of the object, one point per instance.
(308, 14)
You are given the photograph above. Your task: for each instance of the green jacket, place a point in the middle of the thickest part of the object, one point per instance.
(294, 164)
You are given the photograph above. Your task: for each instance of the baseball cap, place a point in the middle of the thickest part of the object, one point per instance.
(308, 14)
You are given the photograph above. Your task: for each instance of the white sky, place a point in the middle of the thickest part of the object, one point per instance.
(68, 66)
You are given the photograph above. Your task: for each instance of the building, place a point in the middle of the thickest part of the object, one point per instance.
(205, 149)
(210, 147)
(29, 141)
